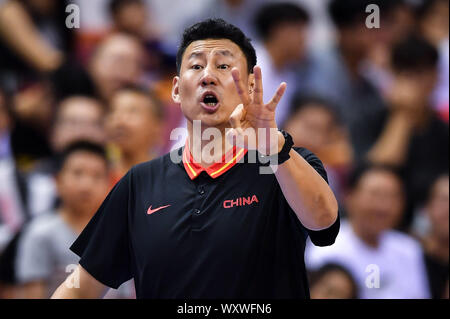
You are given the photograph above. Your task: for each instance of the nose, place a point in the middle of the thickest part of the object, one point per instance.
(208, 77)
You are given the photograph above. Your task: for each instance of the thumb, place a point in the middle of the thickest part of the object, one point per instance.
(236, 117)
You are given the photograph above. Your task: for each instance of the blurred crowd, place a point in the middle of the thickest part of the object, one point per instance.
(81, 106)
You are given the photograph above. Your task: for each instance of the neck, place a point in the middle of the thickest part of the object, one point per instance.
(129, 159)
(76, 220)
(207, 152)
(370, 239)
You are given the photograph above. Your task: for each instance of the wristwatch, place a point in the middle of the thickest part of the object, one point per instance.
(283, 155)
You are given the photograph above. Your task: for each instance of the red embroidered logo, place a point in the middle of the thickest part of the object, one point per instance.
(151, 211)
(241, 201)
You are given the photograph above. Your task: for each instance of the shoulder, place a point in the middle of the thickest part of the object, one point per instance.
(403, 244)
(44, 224)
(159, 163)
(154, 169)
(40, 230)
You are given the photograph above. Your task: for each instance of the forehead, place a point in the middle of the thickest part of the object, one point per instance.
(79, 106)
(81, 157)
(207, 47)
(126, 99)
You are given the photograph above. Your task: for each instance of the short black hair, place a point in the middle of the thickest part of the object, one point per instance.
(80, 146)
(316, 275)
(365, 166)
(301, 100)
(271, 15)
(116, 5)
(348, 13)
(414, 53)
(217, 29)
(156, 106)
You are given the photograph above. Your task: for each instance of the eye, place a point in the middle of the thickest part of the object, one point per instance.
(196, 67)
(224, 66)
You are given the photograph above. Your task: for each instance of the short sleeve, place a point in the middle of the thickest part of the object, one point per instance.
(33, 261)
(327, 236)
(103, 246)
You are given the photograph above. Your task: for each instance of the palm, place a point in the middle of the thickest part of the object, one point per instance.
(253, 114)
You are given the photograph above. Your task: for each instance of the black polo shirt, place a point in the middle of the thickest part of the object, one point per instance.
(182, 231)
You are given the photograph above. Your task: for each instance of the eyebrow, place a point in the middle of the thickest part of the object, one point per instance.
(201, 54)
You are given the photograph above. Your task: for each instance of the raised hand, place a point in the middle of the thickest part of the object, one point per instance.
(252, 117)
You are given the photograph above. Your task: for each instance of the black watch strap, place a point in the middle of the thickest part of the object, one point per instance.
(283, 155)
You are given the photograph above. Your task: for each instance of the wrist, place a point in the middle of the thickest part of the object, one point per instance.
(281, 141)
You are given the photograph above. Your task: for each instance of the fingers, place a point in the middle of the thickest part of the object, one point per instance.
(236, 117)
(241, 89)
(277, 97)
(258, 89)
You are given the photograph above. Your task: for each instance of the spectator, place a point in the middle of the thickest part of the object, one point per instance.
(236, 12)
(333, 281)
(397, 25)
(436, 241)
(116, 62)
(367, 244)
(134, 126)
(129, 16)
(315, 125)
(433, 18)
(338, 76)
(13, 192)
(33, 36)
(413, 136)
(283, 29)
(32, 111)
(43, 255)
(78, 117)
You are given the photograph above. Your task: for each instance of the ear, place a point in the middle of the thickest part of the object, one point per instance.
(176, 90)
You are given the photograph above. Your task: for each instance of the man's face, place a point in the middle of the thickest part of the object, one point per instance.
(312, 127)
(78, 118)
(205, 88)
(131, 125)
(291, 38)
(376, 204)
(83, 182)
(118, 62)
(333, 285)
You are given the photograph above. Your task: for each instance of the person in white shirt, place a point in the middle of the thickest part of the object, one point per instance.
(386, 263)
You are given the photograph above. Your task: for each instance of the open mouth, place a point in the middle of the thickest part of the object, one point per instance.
(210, 102)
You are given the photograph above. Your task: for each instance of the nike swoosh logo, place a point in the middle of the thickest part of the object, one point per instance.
(151, 211)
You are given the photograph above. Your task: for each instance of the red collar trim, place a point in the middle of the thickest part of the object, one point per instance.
(216, 169)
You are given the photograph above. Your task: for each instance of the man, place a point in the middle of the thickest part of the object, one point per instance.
(42, 256)
(193, 229)
(314, 124)
(134, 127)
(413, 138)
(77, 117)
(117, 61)
(282, 54)
(436, 241)
(385, 263)
(338, 75)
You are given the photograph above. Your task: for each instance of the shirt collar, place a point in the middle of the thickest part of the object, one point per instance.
(216, 169)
